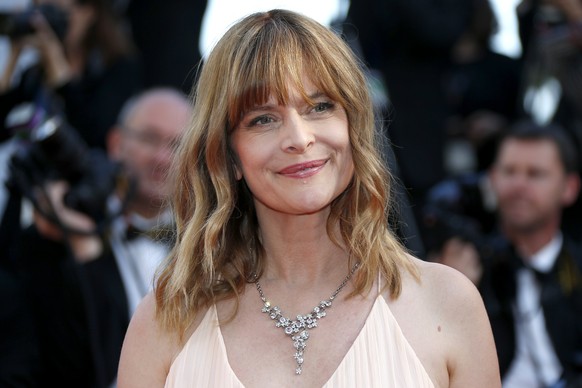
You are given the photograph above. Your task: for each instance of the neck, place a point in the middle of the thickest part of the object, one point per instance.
(300, 252)
(529, 242)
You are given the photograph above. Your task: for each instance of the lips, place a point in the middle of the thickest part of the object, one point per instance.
(303, 170)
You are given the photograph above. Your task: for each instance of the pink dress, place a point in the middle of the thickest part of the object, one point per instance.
(379, 357)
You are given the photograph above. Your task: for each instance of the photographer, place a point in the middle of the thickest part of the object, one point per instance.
(86, 60)
(531, 282)
(83, 285)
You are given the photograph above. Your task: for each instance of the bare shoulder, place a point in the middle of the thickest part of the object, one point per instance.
(148, 350)
(451, 297)
(448, 287)
(466, 342)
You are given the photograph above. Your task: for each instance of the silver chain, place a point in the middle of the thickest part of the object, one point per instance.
(298, 328)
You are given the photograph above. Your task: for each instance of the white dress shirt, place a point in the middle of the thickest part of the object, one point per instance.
(137, 259)
(535, 363)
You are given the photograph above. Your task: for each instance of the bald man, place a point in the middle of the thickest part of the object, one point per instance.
(149, 128)
(85, 287)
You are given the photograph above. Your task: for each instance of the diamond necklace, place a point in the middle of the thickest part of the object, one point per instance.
(298, 329)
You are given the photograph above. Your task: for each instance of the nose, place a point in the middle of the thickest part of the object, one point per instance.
(519, 179)
(298, 134)
(516, 183)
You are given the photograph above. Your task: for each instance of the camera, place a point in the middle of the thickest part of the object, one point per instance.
(441, 225)
(19, 24)
(50, 149)
(456, 208)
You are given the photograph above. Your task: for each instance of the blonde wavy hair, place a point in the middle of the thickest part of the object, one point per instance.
(218, 249)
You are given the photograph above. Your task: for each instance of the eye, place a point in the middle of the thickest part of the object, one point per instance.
(261, 120)
(321, 107)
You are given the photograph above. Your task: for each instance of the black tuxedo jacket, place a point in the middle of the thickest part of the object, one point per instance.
(561, 301)
(80, 313)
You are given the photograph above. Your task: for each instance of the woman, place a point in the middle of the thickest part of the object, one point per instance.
(281, 196)
(87, 66)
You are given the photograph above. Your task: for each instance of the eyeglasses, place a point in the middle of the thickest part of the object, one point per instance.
(151, 140)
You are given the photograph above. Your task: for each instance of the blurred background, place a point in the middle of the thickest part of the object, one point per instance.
(93, 96)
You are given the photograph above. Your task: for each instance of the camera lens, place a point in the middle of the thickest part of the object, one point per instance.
(68, 152)
(16, 25)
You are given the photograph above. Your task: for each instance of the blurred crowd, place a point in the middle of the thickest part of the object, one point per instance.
(484, 148)
(487, 147)
(93, 101)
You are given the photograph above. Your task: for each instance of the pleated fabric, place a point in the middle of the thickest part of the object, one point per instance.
(379, 357)
(203, 361)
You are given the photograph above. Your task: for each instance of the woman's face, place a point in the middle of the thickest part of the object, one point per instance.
(295, 158)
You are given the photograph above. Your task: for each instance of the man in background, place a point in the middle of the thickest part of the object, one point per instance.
(530, 273)
(84, 286)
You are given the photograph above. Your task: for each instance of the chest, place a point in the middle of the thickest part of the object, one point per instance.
(260, 353)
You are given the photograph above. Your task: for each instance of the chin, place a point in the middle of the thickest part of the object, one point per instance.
(313, 204)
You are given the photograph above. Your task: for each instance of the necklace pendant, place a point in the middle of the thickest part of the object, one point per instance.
(300, 343)
(298, 328)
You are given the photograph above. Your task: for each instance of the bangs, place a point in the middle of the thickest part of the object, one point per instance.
(278, 57)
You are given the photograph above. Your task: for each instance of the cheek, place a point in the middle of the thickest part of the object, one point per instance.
(137, 160)
(341, 138)
(250, 155)
(503, 188)
(351, 168)
(345, 148)
(504, 185)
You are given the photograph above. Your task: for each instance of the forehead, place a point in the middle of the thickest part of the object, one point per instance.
(267, 54)
(165, 115)
(283, 90)
(535, 152)
(293, 93)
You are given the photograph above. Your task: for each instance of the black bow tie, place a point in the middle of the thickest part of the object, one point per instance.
(520, 263)
(131, 233)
